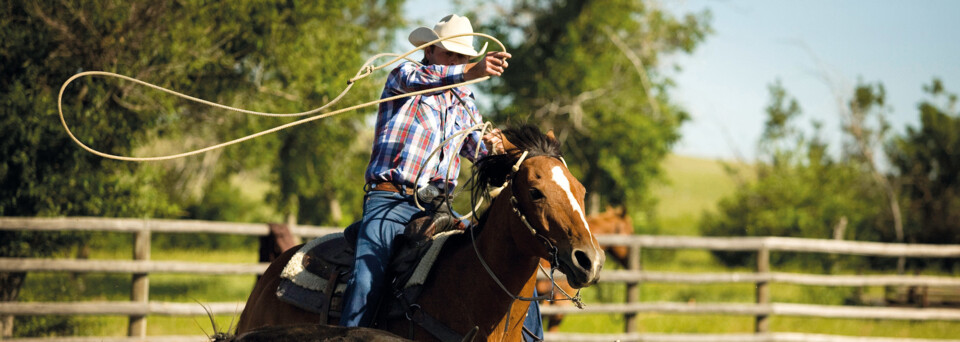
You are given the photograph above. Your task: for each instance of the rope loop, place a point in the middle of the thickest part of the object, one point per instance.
(366, 70)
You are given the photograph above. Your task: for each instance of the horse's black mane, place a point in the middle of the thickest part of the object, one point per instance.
(493, 169)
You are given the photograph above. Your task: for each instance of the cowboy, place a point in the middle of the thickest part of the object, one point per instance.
(407, 131)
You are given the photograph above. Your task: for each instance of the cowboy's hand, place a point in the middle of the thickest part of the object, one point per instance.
(492, 64)
(494, 141)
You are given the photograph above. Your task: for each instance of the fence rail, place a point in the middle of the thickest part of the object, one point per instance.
(785, 244)
(779, 309)
(130, 225)
(611, 276)
(761, 337)
(618, 276)
(784, 309)
(139, 307)
(126, 266)
(573, 337)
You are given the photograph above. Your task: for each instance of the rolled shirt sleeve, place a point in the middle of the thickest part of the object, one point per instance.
(411, 77)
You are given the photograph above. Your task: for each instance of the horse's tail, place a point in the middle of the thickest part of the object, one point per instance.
(222, 337)
(218, 336)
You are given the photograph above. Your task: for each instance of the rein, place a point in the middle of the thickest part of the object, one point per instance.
(551, 248)
(416, 315)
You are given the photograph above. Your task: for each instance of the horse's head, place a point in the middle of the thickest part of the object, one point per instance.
(545, 195)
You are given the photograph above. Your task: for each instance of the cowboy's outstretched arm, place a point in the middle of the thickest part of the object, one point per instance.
(410, 77)
(492, 64)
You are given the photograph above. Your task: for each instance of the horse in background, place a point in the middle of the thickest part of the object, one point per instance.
(614, 220)
(611, 221)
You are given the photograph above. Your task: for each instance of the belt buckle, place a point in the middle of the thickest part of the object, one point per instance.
(372, 187)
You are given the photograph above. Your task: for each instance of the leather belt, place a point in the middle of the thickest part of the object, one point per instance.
(391, 188)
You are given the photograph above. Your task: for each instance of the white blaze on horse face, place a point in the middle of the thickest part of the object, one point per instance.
(561, 179)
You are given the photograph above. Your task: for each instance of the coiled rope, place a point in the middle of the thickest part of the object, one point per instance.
(366, 70)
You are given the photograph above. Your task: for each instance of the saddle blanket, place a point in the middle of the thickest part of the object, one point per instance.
(303, 287)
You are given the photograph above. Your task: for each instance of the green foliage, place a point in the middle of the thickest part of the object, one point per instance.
(63, 287)
(43, 173)
(318, 180)
(800, 191)
(568, 73)
(926, 159)
(278, 56)
(273, 56)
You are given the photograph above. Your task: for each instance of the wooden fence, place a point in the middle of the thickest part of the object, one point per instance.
(141, 267)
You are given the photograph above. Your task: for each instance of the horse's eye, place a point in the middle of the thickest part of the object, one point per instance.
(536, 195)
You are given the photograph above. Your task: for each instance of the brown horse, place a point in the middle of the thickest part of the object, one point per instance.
(611, 221)
(538, 213)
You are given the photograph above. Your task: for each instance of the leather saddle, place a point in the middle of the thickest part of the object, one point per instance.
(316, 277)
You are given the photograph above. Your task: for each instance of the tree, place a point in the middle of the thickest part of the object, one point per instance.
(274, 56)
(866, 106)
(925, 158)
(590, 71)
(43, 174)
(800, 191)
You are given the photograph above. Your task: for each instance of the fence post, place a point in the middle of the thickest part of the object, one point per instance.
(140, 289)
(6, 322)
(762, 324)
(633, 289)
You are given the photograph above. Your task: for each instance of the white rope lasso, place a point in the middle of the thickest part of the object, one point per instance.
(462, 135)
(366, 70)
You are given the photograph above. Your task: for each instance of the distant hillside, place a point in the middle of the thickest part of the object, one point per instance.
(693, 185)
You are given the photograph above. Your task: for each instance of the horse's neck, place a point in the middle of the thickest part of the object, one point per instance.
(510, 260)
(514, 268)
(477, 291)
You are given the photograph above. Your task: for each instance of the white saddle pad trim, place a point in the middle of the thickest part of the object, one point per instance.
(295, 272)
(426, 263)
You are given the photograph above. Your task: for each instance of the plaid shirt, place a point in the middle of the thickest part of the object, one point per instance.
(409, 129)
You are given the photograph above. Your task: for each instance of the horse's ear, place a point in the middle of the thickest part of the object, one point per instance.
(550, 134)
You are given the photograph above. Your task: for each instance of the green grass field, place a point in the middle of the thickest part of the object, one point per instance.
(694, 185)
(701, 261)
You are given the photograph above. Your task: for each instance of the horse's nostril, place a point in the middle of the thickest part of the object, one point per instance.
(582, 260)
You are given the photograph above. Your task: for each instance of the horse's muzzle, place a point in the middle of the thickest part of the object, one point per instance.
(582, 266)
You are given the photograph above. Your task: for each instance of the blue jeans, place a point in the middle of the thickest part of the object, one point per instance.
(533, 322)
(385, 215)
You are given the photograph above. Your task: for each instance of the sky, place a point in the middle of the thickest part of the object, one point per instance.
(817, 49)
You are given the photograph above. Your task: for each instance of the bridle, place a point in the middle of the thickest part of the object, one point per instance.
(550, 246)
(552, 249)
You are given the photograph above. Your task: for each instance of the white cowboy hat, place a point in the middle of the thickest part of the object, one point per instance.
(450, 25)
